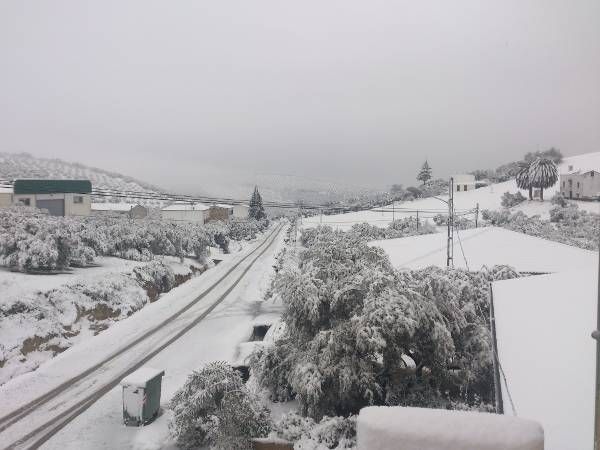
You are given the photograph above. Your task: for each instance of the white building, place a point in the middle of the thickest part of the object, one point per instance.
(464, 182)
(582, 184)
(186, 212)
(132, 210)
(241, 211)
(6, 196)
(58, 197)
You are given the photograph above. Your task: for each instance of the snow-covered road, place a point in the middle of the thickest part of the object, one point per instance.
(169, 333)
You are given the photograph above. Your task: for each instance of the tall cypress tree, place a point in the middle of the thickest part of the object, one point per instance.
(257, 211)
(425, 173)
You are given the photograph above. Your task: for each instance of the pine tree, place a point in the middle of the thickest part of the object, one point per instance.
(257, 211)
(425, 173)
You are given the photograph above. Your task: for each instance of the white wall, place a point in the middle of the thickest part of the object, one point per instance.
(196, 216)
(6, 199)
(240, 211)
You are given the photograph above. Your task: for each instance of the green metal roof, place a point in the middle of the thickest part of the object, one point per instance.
(52, 187)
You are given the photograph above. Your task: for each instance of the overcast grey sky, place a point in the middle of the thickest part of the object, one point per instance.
(174, 92)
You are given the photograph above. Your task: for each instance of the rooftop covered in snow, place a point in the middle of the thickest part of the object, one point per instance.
(487, 246)
(543, 328)
(182, 206)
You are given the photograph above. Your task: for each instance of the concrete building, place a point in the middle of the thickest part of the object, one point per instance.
(464, 182)
(220, 212)
(241, 211)
(58, 197)
(131, 210)
(580, 184)
(6, 196)
(186, 212)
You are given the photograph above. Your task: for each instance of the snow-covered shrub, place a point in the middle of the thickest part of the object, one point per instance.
(157, 274)
(559, 200)
(509, 200)
(329, 433)
(244, 230)
(214, 408)
(396, 229)
(460, 222)
(568, 225)
(353, 323)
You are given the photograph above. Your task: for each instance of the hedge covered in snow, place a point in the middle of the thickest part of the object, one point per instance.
(568, 224)
(31, 241)
(396, 229)
(359, 332)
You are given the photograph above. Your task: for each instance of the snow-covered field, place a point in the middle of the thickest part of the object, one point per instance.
(489, 197)
(487, 247)
(215, 338)
(543, 326)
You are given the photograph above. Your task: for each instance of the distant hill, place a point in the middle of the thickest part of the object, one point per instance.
(24, 165)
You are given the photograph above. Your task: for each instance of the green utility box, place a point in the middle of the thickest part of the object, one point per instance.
(141, 396)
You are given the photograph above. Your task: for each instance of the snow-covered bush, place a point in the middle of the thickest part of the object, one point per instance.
(509, 200)
(157, 274)
(396, 229)
(244, 230)
(460, 222)
(214, 408)
(559, 200)
(358, 332)
(329, 433)
(568, 225)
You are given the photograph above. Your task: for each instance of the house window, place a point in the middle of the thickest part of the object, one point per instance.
(25, 201)
(592, 174)
(458, 188)
(563, 184)
(78, 199)
(578, 185)
(465, 187)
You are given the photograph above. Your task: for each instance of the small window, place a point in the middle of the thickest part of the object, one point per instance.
(25, 201)
(592, 173)
(563, 184)
(578, 185)
(78, 199)
(458, 188)
(465, 187)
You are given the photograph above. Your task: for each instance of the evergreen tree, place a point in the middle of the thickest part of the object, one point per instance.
(425, 173)
(257, 211)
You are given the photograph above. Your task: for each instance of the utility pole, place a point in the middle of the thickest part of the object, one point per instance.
(450, 243)
(596, 336)
(393, 211)
(417, 220)
(476, 215)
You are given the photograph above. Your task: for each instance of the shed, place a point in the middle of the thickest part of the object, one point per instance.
(58, 197)
(6, 196)
(186, 212)
(132, 210)
(220, 211)
(241, 211)
(141, 396)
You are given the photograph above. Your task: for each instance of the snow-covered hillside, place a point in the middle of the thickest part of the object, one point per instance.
(24, 165)
(489, 197)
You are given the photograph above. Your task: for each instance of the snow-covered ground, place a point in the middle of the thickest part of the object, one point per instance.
(215, 338)
(546, 351)
(489, 197)
(487, 247)
(50, 312)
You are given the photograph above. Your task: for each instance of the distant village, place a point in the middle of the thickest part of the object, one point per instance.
(74, 198)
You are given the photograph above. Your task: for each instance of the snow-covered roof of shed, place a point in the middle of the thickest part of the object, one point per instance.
(113, 206)
(140, 377)
(6, 189)
(182, 206)
(579, 171)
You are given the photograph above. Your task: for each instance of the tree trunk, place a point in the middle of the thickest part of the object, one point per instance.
(530, 192)
(542, 194)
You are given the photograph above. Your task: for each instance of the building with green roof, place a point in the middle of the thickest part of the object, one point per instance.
(58, 197)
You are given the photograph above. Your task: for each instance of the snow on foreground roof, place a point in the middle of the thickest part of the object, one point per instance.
(186, 207)
(487, 247)
(140, 377)
(543, 328)
(384, 427)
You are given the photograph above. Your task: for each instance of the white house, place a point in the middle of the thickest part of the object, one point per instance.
(186, 212)
(583, 184)
(464, 182)
(6, 196)
(241, 211)
(132, 210)
(58, 197)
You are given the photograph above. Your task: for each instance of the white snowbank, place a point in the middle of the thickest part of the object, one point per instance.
(392, 428)
(543, 327)
(487, 247)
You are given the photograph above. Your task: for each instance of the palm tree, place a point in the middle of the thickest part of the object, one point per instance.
(523, 178)
(543, 174)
